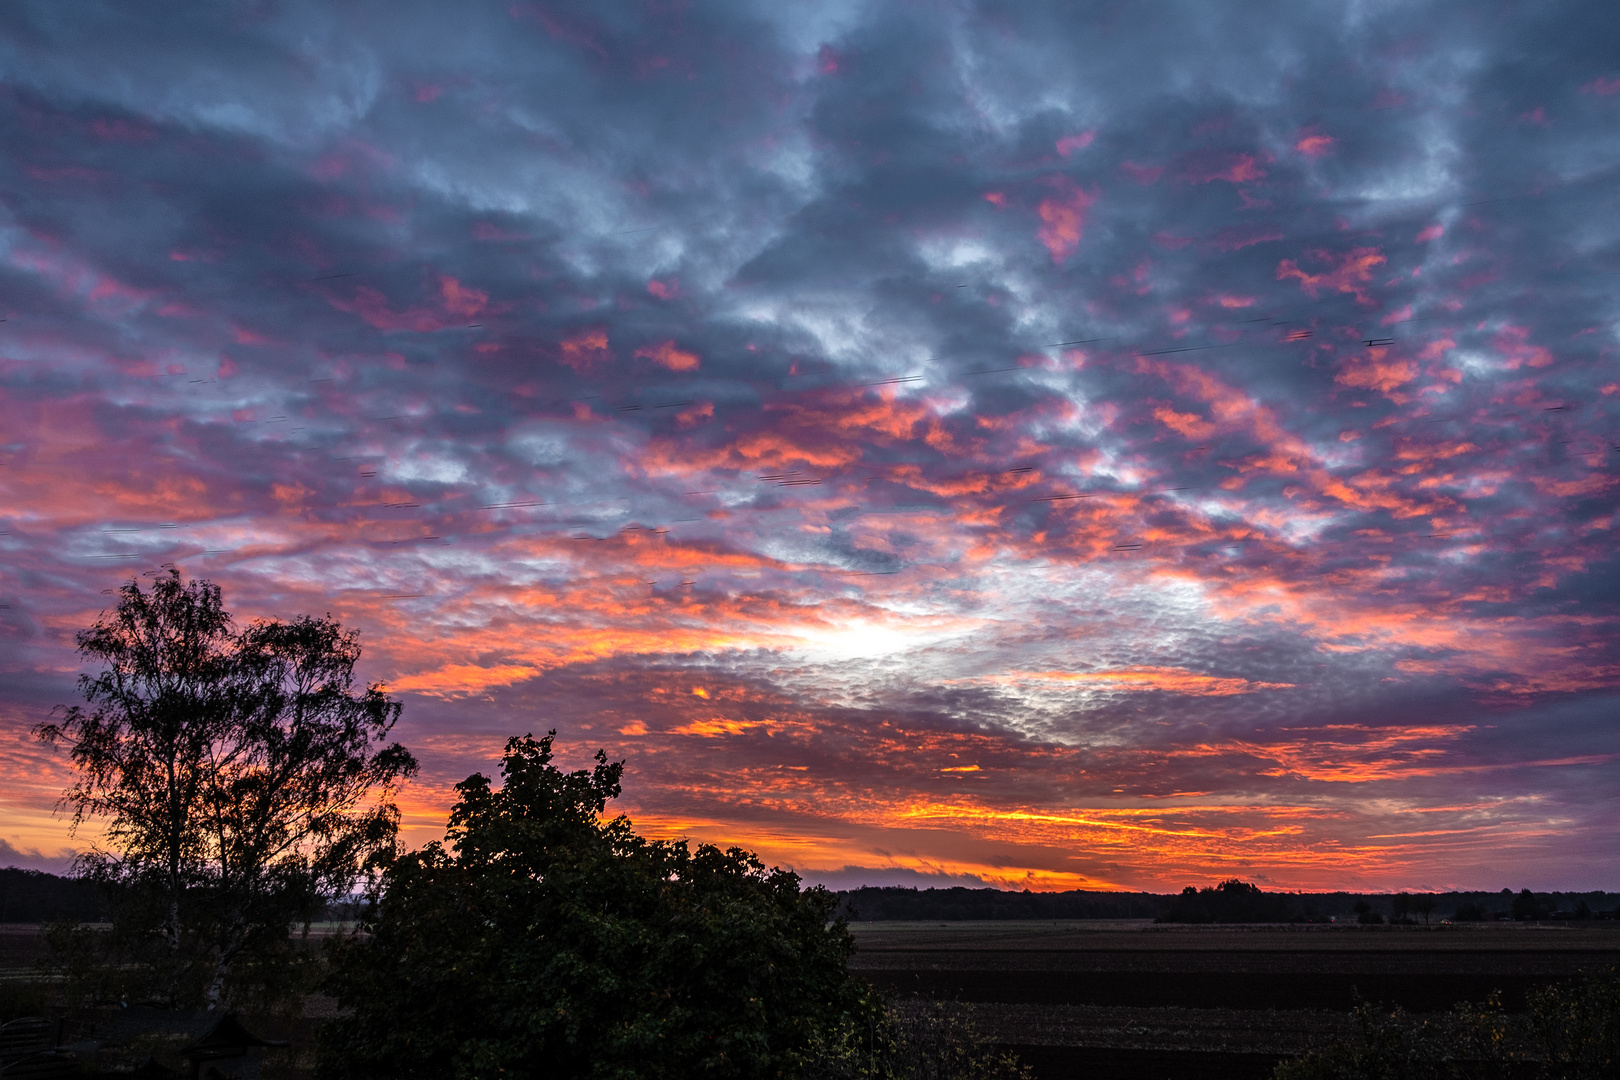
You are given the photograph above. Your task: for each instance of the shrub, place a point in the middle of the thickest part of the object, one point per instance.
(542, 940)
(1574, 1034)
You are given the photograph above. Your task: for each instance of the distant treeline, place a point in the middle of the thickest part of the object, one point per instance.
(958, 903)
(33, 896)
(1228, 902)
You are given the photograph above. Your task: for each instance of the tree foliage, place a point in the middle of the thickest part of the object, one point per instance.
(543, 940)
(1231, 901)
(244, 781)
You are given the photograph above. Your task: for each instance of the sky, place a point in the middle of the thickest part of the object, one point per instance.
(1036, 445)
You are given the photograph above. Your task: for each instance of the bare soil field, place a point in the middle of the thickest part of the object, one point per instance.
(22, 945)
(1133, 999)
(1138, 999)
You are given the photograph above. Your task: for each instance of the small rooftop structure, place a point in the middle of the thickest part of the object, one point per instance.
(226, 1039)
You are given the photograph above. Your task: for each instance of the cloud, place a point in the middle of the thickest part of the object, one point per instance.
(1064, 449)
(25, 858)
(1063, 219)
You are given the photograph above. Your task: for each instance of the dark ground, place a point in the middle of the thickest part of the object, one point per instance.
(1132, 999)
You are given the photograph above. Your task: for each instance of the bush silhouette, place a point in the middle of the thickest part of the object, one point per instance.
(542, 940)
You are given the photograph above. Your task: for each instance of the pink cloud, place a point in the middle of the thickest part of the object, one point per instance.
(1063, 219)
(1238, 237)
(459, 299)
(372, 306)
(1602, 87)
(483, 230)
(1314, 145)
(1142, 174)
(1351, 273)
(1433, 232)
(1513, 342)
(559, 30)
(664, 290)
(1203, 167)
(1070, 143)
(120, 130)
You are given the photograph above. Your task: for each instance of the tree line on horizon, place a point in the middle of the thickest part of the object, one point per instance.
(1231, 901)
(37, 896)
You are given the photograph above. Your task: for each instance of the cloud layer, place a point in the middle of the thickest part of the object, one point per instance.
(1030, 444)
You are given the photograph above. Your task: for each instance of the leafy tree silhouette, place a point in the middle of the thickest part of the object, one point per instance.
(1528, 907)
(541, 940)
(243, 777)
(1365, 915)
(1232, 901)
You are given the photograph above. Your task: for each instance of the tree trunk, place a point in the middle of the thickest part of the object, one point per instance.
(216, 985)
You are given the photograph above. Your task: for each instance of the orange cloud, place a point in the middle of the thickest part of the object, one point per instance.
(718, 727)
(1191, 425)
(1376, 371)
(586, 350)
(1169, 679)
(667, 355)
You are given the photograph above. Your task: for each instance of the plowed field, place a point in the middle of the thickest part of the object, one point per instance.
(1135, 999)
